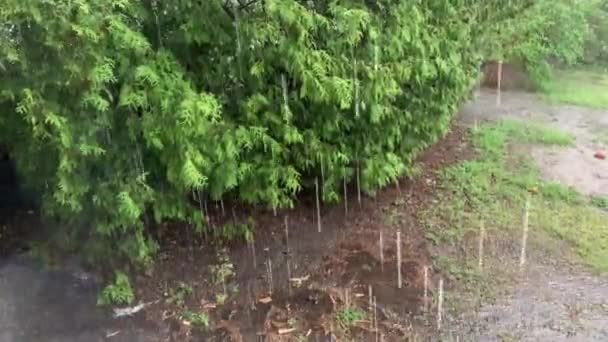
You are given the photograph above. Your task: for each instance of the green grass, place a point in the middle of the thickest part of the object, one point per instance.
(495, 186)
(348, 317)
(198, 319)
(587, 88)
(600, 202)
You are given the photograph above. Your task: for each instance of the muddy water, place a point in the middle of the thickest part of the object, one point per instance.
(56, 306)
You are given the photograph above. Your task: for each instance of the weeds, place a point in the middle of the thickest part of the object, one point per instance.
(231, 232)
(349, 317)
(198, 319)
(119, 292)
(178, 295)
(221, 272)
(587, 88)
(494, 187)
(600, 202)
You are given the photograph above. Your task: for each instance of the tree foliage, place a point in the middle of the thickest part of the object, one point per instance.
(596, 47)
(544, 33)
(119, 109)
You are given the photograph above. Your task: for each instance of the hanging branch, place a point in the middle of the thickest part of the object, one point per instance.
(355, 84)
(322, 177)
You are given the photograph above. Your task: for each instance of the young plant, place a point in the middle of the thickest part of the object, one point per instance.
(222, 271)
(178, 295)
(349, 317)
(198, 319)
(119, 292)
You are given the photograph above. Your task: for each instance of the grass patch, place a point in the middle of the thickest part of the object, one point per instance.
(600, 202)
(494, 188)
(587, 88)
(522, 132)
(349, 317)
(198, 319)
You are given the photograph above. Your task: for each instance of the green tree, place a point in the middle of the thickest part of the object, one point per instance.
(117, 110)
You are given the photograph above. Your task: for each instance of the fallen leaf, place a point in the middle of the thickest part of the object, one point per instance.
(209, 306)
(300, 280)
(112, 334)
(286, 331)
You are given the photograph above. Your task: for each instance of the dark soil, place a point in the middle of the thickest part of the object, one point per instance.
(336, 266)
(514, 77)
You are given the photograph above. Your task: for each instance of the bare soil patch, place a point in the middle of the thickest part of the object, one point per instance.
(336, 266)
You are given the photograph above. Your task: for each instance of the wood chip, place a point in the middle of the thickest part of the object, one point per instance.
(300, 280)
(265, 300)
(286, 331)
(112, 334)
(209, 306)
(359, 295)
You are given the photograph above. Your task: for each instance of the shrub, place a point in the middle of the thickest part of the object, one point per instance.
(119, 110)
(119, 292)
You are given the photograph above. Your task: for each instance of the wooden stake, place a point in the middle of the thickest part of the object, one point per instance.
(286, 221)
(376, 317)
(482, 233)
(318, 205)
(498, 83)
(269, 275)
(288, 264)
(399, 259)
(255, 262)
(524, 239)
(440, 305)
(381, 251)
(370, 297)
(203, 207)
(426, 288)
(345, 195)
(322, 177)
(347, 297)
(222, 206)
(358, 185)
